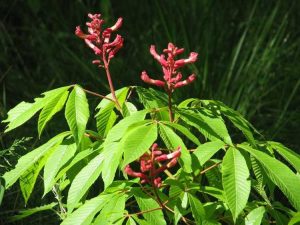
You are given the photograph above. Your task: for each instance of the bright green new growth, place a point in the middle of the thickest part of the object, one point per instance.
(219, 179)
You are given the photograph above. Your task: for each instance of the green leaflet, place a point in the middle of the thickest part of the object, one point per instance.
(235, 117)
(147, 203)
(51, 108)
(77, 112)
(210, 125)
(84, 180)
(295, 219)
(279, 173)
(113, 212)
(255, 216)
(184, 131)
(113, 150)
(151, 98)
(2, 189)
(292, 157)
(26, 161)
(24, 110)
(106, 116)
(62, 154)
(28, 212)
(137, 141)
(205, 151)
(28, 178)
(173, 141)
(85, 213)
(236, 183)
(197, 209)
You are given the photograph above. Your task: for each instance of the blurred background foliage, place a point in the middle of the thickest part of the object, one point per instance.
(249, 54)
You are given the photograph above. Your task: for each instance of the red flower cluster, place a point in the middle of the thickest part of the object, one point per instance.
(172, 78)
(149, 173)
(99, 40)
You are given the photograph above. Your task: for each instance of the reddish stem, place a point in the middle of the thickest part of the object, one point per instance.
(112, 89)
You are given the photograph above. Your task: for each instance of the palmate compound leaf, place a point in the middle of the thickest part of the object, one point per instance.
(112, 148)
(25, 110)
(146, 203)
(26, 161)
(50, 109)
(77, 112)
(84, 180)
(236, 182)
(137, 141)
(173, 141)
(280, 174)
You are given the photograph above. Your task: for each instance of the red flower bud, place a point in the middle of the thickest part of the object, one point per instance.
(147, 79)
(189, 80)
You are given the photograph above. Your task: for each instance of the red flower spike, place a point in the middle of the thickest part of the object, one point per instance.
(149, 168)
(170, 66)
(100, 41)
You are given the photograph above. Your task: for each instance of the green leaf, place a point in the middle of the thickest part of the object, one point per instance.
(236, 183)
(147, 203)
(112, 148)
(137, 141)
(173, 141)
(279, 173)
(130, 221)
(295, 219)
(151, 98)
(210, 125)
(26, 161)
(62, 154)
(184, 131)
(255, 216)
(84, 180)
(24, 110)
(50, 109)
(77, 112)
(2, 189)
(119, 130)
(28, 212)
(292, 157)
(235, 117)
(85, 213)
(205, 151)
(113, 211)
(106, 116)
(28, 178)
(197, 209)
